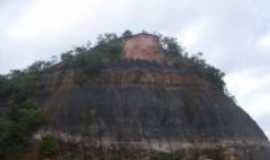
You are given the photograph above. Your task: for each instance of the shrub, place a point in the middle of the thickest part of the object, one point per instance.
(91, 59)
(18, 126)
(163, 156)
(48, 145)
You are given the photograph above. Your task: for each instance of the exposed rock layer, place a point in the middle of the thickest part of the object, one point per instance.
(157, 109)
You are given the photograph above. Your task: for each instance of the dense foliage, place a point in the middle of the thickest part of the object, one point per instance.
(91, 59)
(48, 145)
(198, 66)
(193, 63)
(17, 127)
(23, 117)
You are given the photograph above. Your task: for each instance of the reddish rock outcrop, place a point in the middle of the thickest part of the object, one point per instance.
(142, 47)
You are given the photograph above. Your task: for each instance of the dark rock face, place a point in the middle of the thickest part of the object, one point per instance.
(152, 113)
(165, 114)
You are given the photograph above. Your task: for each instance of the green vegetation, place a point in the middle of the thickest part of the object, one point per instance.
(19, 87)
(164, 156)
(115, 156)
(171, 47)
(127, 33)
(22, 85)
(194, 64)
(198, 65)
(4, 86)
(90, 59)
(108, 49)
(17, 128)
(23, 117)
(48, 145)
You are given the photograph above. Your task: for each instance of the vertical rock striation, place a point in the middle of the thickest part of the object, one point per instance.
(139, 103)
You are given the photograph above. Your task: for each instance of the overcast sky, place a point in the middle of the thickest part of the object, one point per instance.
(234, 35)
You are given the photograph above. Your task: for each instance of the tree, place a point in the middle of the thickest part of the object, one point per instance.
(171, 46)
(38, 67)
(91, 59)
(5, 88)
(18, 126)
(67, 57)
(106, 38)
(48, 145)
(127, 33)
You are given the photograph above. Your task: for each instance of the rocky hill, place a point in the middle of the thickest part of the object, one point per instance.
(148, 102)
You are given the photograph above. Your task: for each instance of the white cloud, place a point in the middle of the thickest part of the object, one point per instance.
(245, 82)
(252, 90)
(264, 42)
(267, 134)
(192, 34)
(49, 16)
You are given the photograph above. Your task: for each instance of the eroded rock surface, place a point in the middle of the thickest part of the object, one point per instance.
(151, 109)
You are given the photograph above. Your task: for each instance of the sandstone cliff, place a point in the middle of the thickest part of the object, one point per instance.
(150, 108)
(143, 106)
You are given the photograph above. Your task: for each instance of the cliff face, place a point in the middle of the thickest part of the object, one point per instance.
(140, 105)
(149, 108)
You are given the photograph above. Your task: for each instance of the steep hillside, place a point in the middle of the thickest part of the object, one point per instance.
(104, 103)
